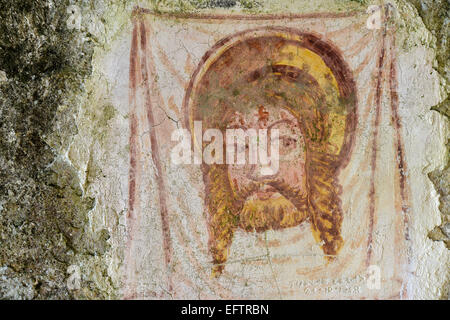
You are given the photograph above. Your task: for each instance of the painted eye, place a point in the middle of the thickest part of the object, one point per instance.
(289, 142)
(292, 75)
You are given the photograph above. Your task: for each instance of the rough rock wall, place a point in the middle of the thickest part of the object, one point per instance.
(435, 16)
(55, 115)
(44, 208)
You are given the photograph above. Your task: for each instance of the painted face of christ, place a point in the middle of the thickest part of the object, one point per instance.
(249, 94)
(270, 201)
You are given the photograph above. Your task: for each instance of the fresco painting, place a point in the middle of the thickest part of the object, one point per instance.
(328, 84)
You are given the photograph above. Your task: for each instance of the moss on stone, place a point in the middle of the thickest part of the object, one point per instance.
(43, 212)
(435, 15)
(254, 6)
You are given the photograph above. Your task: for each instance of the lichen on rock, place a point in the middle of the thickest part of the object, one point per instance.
(43, 212)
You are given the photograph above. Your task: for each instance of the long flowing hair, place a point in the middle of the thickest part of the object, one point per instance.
(296, 90)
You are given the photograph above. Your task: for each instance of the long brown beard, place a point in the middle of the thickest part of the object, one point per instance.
(226, 211)
(288, 210)
(321, 204)
(296, 196)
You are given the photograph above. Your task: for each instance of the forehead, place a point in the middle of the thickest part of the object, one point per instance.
(266, 114)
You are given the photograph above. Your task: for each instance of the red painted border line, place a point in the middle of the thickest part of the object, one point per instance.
(249, 17)
(373, 162)
(401, 164)
(133, 125)
(399, 145)
(131, 215)
(156, 156)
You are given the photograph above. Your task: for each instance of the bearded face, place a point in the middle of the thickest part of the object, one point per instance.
(279, 200)
(292, 84)
(305, 185)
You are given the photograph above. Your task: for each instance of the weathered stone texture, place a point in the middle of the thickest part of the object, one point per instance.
(43, 218)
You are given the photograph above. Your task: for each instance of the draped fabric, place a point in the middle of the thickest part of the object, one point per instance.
(167, 252)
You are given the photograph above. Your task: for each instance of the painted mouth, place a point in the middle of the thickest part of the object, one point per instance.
(273, 190)
(267, 192)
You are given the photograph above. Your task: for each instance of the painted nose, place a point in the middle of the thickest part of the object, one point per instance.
(255, 173)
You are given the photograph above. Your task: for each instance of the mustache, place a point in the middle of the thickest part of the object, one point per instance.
(296, 196)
